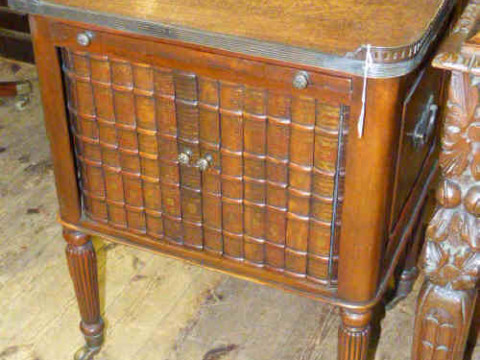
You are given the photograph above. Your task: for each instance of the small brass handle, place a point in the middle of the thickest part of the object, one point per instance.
(301, 80)
(85, 38)
(185, 157)
(426, 125)
(204, 162)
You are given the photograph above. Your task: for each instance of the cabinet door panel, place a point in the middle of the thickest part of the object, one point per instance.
(243, 167)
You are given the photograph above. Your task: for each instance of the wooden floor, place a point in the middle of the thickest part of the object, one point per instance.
(156, 308)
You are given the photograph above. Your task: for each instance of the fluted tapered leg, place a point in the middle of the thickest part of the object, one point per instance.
(354, 335)
(82, 264)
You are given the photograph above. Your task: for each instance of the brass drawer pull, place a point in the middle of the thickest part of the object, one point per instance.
(85, 38)
(301, 80)
(204, 162)
(185, 157)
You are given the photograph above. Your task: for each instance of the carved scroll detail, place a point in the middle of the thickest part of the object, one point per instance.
(451, 258)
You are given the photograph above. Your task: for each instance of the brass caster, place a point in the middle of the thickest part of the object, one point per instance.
(404, 288)
(21, 102)
(86, 353)
(23, 91)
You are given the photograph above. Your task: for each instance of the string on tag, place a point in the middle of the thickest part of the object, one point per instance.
(366, 68)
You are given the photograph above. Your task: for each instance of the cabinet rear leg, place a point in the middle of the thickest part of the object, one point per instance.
(409, 272)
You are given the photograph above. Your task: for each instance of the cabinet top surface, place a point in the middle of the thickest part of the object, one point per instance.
(330, 34)
(329, 26)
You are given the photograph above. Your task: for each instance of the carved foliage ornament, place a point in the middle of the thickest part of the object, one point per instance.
(452, 257)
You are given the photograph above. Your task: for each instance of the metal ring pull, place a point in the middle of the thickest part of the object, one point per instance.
(204, 162)
(185, 157)
(85, 38)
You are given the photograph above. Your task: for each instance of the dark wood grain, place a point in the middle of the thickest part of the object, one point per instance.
(15, 41)
(13, 20)
(16, 46)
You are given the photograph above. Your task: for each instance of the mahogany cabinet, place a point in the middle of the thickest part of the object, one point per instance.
(287, 142)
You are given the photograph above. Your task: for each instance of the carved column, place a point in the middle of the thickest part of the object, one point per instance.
(451, 258)
(82, 263)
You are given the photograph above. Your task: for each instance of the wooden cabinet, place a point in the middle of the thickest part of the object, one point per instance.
(248, 172)
(245, 154)
(246, 166)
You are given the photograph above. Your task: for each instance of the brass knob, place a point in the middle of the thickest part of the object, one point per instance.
(301, 79)
(85, 38)
(185, 156)
(204, 162)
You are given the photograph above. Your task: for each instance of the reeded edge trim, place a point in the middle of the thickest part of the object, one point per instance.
(388, 62)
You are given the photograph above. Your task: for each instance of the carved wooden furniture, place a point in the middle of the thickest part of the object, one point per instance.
(451, 257)
(286, 142)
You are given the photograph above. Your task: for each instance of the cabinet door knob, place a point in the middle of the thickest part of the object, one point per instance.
(84, 38)
(185, 156)
(204, 162)
(301, 80)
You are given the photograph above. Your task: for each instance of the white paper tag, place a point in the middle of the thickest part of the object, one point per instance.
(366, 68)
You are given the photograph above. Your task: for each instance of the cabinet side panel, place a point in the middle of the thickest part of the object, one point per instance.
(52, 90)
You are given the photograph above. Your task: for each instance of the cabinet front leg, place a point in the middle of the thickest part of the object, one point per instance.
(354, 335)
(82, 264)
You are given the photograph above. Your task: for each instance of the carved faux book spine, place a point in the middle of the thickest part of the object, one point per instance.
(82, 264)
(451, 258)
(354, 335)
